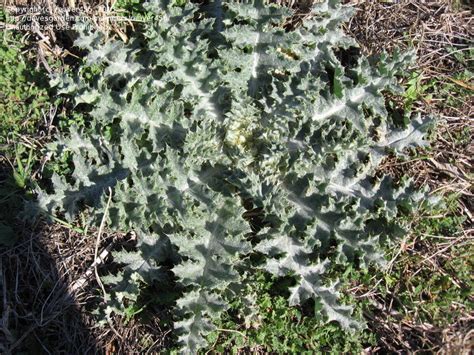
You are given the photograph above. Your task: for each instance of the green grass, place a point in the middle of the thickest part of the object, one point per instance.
(434, 276)
(23, 95)
(22, 102)
(25, 102)
(273, 326)
(430, 280)
(454, 90)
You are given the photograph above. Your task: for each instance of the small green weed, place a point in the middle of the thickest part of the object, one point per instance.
(22, 169)
(416, 88)
(132, 9)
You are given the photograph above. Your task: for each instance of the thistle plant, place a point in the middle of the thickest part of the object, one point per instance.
(232, 144)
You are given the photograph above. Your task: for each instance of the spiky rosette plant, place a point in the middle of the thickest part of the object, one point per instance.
(231, 145)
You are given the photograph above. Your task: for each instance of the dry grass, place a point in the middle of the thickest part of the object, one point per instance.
(37, 307)
(47, 41)
(42, 307)
(402, 326)
(437, 33)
